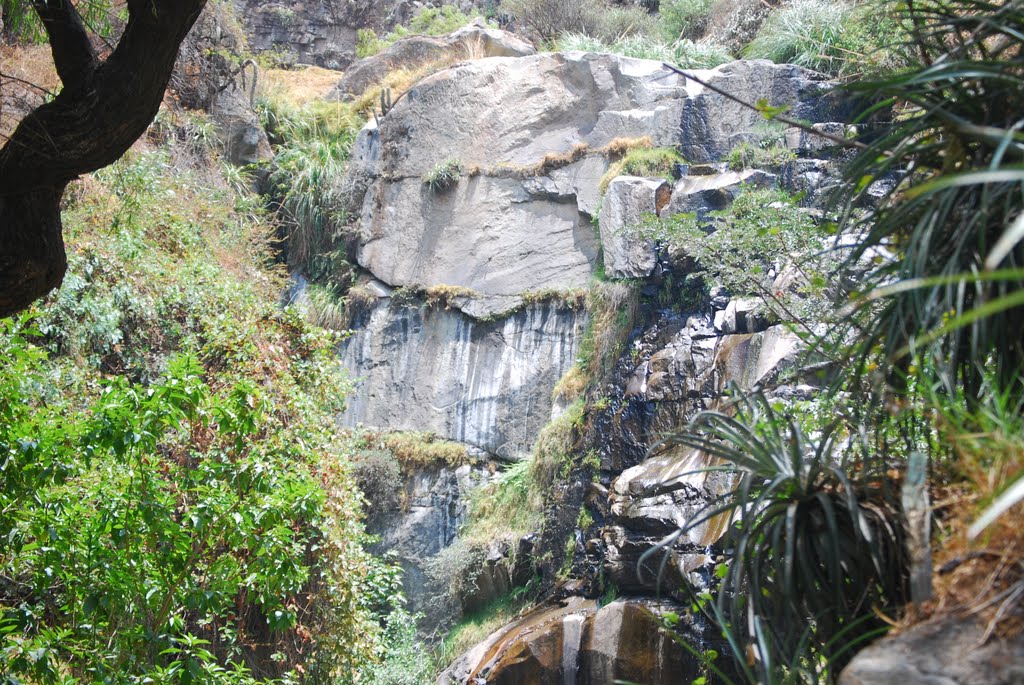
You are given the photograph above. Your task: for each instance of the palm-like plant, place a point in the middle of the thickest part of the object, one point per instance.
(945, 284)
(814, 550)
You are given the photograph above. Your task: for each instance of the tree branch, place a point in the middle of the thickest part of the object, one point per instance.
(73, 54)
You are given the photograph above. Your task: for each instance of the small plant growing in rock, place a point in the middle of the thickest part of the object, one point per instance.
(444, 175)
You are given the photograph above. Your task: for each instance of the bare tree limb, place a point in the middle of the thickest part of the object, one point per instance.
(73, 55)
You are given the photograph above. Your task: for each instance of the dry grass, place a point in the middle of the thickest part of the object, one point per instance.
(28, 76)
(420, 449)
(620, 146)
(983, 578)
(444, 296)
(299, 86)
(400, 81)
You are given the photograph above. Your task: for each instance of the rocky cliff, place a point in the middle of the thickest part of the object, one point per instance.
(474, 279)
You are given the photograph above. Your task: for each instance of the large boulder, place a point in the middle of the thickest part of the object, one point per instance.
(470, 42)
(949, 651)
(628, 202)
(713, 124)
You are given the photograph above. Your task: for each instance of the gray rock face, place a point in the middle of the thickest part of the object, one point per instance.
(529, 133)
(487, 384)
(947, 652)
(487, 235)
(658, 495)
(628, 199)
(436, 502)
(470, 42)
(712, 125)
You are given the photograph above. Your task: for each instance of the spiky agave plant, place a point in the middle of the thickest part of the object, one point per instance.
(816, 545)
(944, 288)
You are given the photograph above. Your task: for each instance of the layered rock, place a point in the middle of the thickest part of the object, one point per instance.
(484, 383)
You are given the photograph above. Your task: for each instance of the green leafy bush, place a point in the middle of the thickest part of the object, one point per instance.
(749, 155)
(745, 245)
(165, 528)
(646, 162)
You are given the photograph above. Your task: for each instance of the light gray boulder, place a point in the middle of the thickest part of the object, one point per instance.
(627, 254)
(948, 651)
(470, 42)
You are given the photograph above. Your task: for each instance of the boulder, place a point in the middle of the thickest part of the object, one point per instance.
(470, 42)
(948, 651)
(239, 129)
(742, 315)
(627, 254)
(712, 125)
(701, 195)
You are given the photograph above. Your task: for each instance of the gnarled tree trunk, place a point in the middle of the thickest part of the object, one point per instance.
(104, 106)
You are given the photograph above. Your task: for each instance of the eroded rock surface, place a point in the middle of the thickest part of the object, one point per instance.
(483, 383)
(576, 641)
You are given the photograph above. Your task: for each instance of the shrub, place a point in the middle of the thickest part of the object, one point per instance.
(444, 175)
(831, 37)
(749, 155)
(379, 477)
(549, 19)
(428, 21)
(683, 53)
(683, 18)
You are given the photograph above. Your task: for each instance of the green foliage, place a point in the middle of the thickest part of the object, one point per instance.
(405, 660)
(683, 18)
(510, 506)
(817, 545)
(646, 162)
(684, 53)
(744, 247)
(147, 523)
(749, 155)
(554, 453)
(312, 145)
(103, 17)
(835, 38)
(444, 175)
